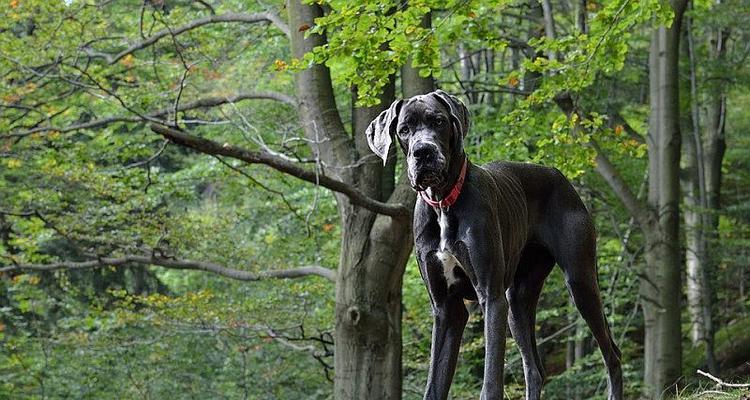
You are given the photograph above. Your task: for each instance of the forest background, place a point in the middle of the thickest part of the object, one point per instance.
(189, 209)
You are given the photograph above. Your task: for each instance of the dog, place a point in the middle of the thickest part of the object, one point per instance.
(490, 234)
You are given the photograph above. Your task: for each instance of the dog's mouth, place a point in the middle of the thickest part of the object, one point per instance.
(424, 179)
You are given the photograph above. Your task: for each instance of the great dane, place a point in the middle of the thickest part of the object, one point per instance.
(490, 234)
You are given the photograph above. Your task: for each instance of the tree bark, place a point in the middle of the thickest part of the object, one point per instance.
(661, 283)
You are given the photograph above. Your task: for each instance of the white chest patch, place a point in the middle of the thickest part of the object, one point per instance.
(449, 262)
(447, 259)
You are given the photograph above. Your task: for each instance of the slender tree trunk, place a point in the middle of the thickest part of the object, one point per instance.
(695, 247)
(698, 215)
(549, 25)
(582, 16)
(661, 283)
(489, 66)
(467, 73)
(530, 79)
(714, 146)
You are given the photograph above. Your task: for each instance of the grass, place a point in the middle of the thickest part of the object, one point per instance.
(711, 392)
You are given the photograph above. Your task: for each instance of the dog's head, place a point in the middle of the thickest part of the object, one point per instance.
(430, 129)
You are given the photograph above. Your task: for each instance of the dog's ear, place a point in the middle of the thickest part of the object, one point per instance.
(459, 112)
(381, 130)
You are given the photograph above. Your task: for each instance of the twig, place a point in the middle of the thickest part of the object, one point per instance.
(156, 155)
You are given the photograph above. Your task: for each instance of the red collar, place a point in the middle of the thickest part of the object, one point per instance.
(454, 193)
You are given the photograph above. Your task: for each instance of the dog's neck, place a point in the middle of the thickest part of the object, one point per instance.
(445, 195)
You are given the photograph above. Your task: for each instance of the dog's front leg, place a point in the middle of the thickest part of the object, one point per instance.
(450, 316)
(495, 309)
(486, 262)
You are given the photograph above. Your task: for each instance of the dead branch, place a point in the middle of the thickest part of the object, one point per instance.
(719, 382)
(168, 262)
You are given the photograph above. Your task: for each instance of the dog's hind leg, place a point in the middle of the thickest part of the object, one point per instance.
(577, 258)
(523, 295)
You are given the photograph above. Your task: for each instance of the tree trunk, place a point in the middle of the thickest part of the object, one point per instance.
(530, 80)
(714, 146)
(700, 219)
(549, 25)
(412, 83)
(367, 354)
(695, 249)
(570, 350)
(374, 248)
(661, 283)
(582, 16)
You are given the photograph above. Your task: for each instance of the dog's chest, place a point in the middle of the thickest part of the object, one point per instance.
(445, 254)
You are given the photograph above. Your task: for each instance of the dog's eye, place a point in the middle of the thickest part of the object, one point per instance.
(439, 121)
(404, 130)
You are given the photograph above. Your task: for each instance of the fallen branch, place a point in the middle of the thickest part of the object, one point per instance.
(719, 382)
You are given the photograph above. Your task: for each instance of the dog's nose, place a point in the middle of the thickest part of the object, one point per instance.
(423, 151)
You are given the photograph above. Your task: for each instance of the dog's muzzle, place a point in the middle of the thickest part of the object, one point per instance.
(426, 166)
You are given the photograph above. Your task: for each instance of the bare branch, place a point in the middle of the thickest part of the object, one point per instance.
(178, 264)
(280, 164)
(608, 171)
(206, 102)
(227, 17)
(217, 101)
(611, 175)
(152, 158)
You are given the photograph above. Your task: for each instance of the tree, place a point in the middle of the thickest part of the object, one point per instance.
(661, 285)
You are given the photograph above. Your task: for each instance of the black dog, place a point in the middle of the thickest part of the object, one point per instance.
(490, 234)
